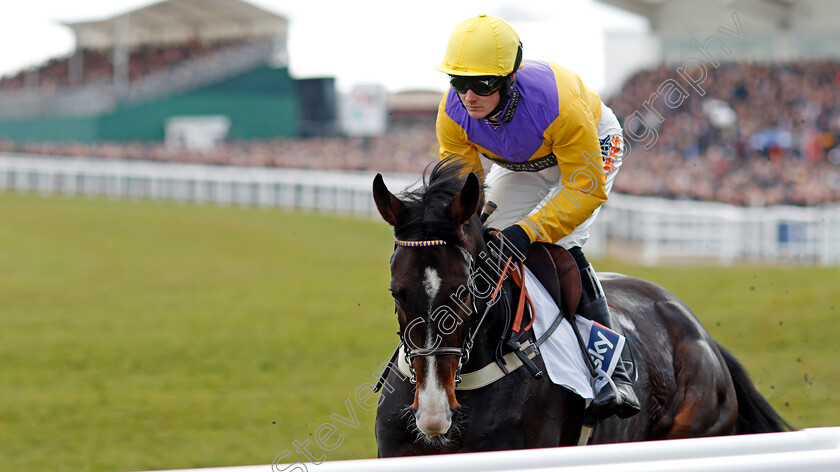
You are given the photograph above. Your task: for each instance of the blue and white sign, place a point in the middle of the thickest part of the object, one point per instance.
(604, 347)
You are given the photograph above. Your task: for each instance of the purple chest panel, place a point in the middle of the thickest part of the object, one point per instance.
(519, 139)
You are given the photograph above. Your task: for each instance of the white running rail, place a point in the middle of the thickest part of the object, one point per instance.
(811, 450)
(662, 228)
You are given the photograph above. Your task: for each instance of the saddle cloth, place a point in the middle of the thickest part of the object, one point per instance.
(561, 352)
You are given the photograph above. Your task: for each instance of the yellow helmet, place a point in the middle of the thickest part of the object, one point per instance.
(482, 45)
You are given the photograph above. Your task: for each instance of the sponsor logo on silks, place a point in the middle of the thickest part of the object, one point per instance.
(604, 348)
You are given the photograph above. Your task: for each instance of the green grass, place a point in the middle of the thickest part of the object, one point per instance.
(144, 335)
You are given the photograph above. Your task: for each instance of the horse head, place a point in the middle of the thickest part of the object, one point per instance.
(437, 235)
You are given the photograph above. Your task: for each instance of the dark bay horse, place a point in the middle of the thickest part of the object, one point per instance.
(452, 320)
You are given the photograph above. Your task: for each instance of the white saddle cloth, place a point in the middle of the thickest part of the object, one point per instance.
(563, 360)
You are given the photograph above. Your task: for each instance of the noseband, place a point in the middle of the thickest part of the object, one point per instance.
(462, 352)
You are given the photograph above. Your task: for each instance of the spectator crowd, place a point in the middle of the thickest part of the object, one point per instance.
(403, 149)
(759, 135)
(97, 65)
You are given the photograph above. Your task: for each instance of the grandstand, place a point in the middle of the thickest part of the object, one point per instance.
(132, 74)
(762, 31)
(734, 102)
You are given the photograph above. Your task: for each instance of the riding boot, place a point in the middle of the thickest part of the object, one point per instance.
(593, 305)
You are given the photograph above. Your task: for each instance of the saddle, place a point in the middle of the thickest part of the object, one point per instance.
(557, 271)
(555, 268)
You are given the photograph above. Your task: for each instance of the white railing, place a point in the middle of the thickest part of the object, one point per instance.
(662, 228)
(668, 228)
(812, 450)
(333, 192)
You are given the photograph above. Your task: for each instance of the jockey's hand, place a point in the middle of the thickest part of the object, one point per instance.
(514, 242)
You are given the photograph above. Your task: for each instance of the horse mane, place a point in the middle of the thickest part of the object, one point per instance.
(426, 207)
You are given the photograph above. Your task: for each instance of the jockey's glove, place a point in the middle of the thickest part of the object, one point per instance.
(514, 242)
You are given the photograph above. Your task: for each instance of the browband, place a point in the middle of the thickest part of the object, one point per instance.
(433, 242)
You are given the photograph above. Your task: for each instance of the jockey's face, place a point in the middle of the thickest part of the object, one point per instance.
(479, 106)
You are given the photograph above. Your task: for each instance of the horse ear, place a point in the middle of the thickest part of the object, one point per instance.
(465, 204)
(387, 204)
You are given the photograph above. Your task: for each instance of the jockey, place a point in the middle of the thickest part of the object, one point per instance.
(555, 148)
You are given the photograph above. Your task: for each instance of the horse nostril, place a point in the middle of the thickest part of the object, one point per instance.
(454, 411)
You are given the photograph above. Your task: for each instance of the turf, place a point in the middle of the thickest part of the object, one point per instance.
(140, 335)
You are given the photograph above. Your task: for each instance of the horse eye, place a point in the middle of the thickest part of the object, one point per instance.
(463, 295)
(396, 298)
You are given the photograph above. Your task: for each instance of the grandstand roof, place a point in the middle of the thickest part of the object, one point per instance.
(774, 11)
(172, 21)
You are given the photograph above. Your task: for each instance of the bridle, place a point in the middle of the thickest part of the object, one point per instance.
(462, 352)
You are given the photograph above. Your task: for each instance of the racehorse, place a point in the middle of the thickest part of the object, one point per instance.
(454, 323)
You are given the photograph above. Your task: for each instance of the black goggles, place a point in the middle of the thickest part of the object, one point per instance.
(483, 85)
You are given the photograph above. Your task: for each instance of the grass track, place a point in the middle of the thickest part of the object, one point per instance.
(145, 335)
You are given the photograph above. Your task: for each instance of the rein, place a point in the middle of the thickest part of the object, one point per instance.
(464, 351)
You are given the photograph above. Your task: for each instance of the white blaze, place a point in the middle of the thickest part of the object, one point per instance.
(433, 416)
(431, 283)
(432, 404)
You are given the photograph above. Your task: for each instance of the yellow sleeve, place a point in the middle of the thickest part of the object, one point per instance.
(453, 142)
(575, 144)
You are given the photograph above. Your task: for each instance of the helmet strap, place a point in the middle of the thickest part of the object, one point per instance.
(503, 113)
(506, 92)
